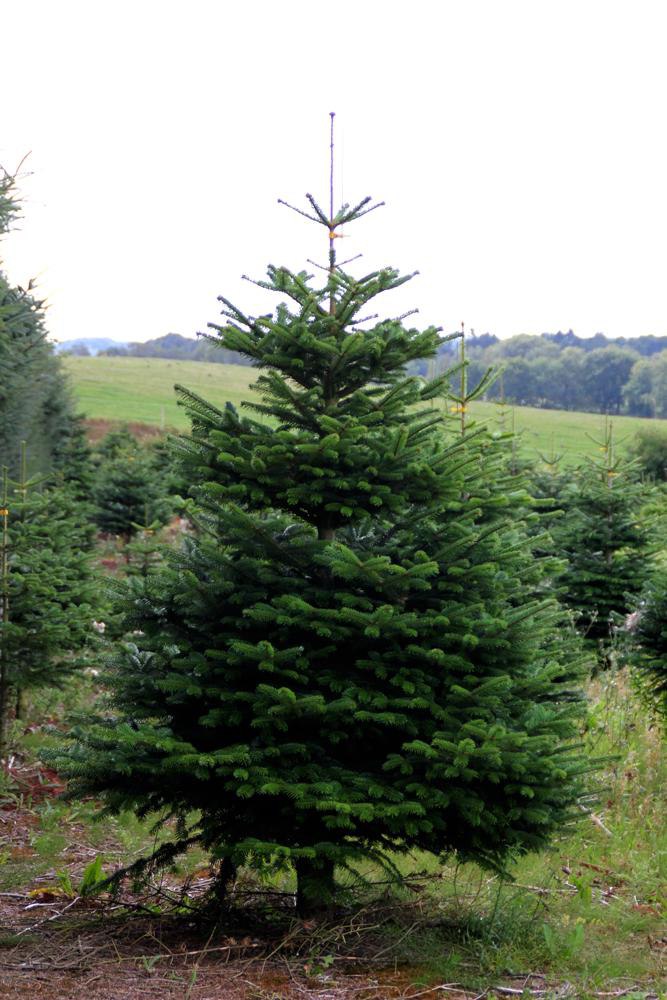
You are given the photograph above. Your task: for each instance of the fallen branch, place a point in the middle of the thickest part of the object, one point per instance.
(596, 819)
(60, 913)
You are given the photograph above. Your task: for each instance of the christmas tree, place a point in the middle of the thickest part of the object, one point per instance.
(606, 542)
(647, 631)
(127, 491)
(35, 405)
(47, 588)
(349, 659)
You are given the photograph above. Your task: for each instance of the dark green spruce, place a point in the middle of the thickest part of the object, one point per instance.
(353, 656)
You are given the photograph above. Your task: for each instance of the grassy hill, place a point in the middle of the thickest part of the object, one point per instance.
(142, 390)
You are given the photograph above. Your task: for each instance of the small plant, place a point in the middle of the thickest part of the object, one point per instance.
(64, 880)
(149, 962)
(93, 877)
(566, 944)
(319, 965)
(92, 880)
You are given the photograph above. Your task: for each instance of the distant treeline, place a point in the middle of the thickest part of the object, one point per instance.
(173, 345)
(565, 372)
(553, 370)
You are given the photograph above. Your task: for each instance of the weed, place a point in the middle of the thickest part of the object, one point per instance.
(148, 962)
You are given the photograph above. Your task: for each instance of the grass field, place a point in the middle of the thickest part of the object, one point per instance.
(142, 389)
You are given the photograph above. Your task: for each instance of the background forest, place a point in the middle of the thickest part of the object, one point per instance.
(557, 371)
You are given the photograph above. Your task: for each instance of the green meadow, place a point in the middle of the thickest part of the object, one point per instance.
(142, 390)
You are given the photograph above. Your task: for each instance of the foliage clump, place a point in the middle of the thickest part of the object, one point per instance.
(650, 453)
(354, 655)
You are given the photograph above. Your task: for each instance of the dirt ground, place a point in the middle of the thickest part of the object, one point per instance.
(77, 950)
(57, 946)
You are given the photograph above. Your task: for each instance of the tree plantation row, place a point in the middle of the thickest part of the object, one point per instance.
(339, 625)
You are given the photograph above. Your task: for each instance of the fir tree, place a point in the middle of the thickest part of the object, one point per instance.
(34, 399)
(127, 490)
(47, 588)
(349, 659)
(606, 542)
(114, 444)
(73, 458)
(146, 550)
(647, 628)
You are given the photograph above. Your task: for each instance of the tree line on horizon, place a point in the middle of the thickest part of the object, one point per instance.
(565, 372)
(551, 370)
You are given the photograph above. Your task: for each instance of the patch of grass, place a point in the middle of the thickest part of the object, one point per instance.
(142, 390)
(568, 432)
(593, 908)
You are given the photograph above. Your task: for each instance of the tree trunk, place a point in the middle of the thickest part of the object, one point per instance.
(4, 705)
(315, 886)
(217, 900)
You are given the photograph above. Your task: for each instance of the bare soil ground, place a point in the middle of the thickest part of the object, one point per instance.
(98, 428)
(57, 945)
(57, 948)
(68, 950)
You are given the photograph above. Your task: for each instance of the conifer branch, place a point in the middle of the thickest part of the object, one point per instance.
(318, 211)
(300, 211)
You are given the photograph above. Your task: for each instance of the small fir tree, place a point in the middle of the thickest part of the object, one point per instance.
(349, 659)
(73, 459)
(113, 444)
(605, 539)
(548, 485)
(145, 551)
(127, 490)
(35, 404)
(647, 631)
(48, 591)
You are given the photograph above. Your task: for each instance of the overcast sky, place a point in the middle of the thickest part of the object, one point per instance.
(520, 146)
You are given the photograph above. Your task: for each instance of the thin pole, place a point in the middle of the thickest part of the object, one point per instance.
(332, 115)
(4, 617)
(464, 381)
(23, 485)
(332, 235)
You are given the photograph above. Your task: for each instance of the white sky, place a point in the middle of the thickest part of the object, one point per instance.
(520, 145)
